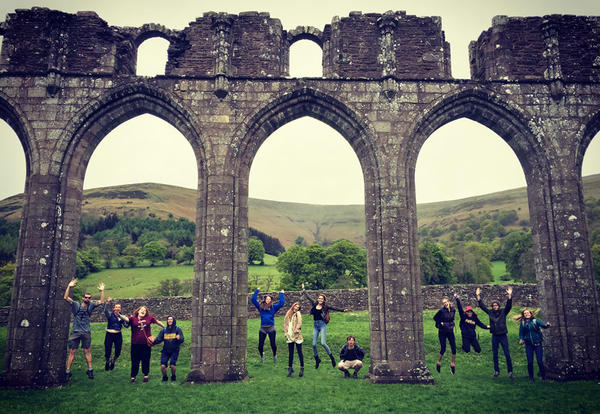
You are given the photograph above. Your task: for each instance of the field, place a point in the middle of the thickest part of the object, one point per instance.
(324, 390)
(139, 282)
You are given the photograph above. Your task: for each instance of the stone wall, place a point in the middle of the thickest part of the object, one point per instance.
(352, 299)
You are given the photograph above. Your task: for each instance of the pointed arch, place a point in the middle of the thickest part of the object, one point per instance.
(588, 131)
(16, 119)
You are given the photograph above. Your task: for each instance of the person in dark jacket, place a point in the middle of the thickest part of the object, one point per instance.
(351, 356)
(468, 324)
(530, 334)
(498, 330)
(267, 311)
(444, 321)
(172, 335)
(113, 333)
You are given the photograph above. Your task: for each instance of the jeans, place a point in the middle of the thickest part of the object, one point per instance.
(501, 340)
(320, 328)
(291, 354)
(539, 355)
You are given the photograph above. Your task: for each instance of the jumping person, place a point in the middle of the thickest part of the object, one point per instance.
(292, 328)
(351, 356)
(499, 330)
(530, 334)
(444, 321)
(267, 311)
(141, 340)
(81, 331)
(320, 312)
(172, 335)
(113, 333)
(468, 324)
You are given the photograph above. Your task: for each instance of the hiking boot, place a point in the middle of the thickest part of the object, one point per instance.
(438, 367)
(452, 369)
(290, 371)
(346, 374)
(511, 376)
(355, 375)
(496, 373)
(173, 378)
(165, 378)
(301, 373)
(107, 365)
(317, 361)
(90, 373)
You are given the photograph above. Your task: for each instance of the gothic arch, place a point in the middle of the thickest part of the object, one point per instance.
(305, 32)
(587, 133)
(14, 116)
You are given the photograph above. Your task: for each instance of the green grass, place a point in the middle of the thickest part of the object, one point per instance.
(499, 269)
(325, 390)
(140, 282)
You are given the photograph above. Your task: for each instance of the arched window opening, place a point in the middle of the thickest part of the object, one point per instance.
(590, 172)
(307, 191)
(139, 210)
(152, 57)
(306, 59)
(12, 163)
(472, 206)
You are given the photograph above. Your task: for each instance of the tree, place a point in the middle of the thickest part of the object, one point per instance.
(87, 261)
(514, 245)
(170, 287)
(596, 260)
(154, 251)
(293, 265)
(256, 251)
(131, 255)
(507, 217)
(436, 266)
(108, 251)
(7, 276)
(185, 254)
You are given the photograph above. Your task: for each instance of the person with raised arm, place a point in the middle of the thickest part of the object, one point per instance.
(267, 310)
(81, 331)
(320, 312)
(468, 325)
(114, 323)
(499, 330)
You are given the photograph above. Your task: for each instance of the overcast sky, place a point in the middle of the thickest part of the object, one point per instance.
(305, 160)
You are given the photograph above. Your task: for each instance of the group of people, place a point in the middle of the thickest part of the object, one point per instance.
(530, 333)
(351, 354)
(141, 336)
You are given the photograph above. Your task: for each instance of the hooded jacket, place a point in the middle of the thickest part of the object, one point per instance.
(444, 320)
(168, 336)
(468, 324)
(530, 332)
(497, 318)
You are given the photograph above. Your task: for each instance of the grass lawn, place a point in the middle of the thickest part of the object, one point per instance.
(499, 269)
(138, 282)
(324, 390)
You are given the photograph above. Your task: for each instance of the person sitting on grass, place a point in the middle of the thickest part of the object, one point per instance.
(172, 335)
(351, 356)
(81, 331)
(468, 324)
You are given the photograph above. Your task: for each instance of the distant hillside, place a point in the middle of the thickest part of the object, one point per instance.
(287, 221)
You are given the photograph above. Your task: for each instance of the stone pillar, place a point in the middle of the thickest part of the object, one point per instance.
(395, 303)
(38, 321)
(221, 24)
(219, 314)
(564, 270)
(553, 71)
(387, 25)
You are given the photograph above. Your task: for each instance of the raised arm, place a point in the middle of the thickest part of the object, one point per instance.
(312, 302)
(67, 295)
(254, 299)
(508, 306)
(281, 302)
(101, 289)
(459, 307)
(480, 302)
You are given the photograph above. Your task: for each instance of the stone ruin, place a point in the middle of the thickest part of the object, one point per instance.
(66, 80)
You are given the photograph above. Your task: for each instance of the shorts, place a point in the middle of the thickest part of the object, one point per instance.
(84, 337)
(350, 364)
(166, 355)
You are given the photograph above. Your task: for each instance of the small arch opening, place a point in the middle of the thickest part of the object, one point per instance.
(306, 59)
(13, 166)
(152, 57)
(590, 172)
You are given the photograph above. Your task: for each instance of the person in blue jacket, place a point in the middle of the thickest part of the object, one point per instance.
(468, 325)
(530, 334)
(172, 336)
(444, 321)
(113, 333)
(267, 310)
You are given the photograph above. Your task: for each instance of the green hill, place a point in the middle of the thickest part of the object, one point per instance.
(287, 221)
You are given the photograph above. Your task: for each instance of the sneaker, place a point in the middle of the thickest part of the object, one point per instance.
(145, 379)
(68, 375)
(438, 367)
(496, 373)
(452, 369)
(165, 378)
(301, 373)
(274, 358)
(511, 376)
(90, 373)
(132, 380)
(346, 374)
(173, 378)
(355, 375)
(107, 365)
(262, 359)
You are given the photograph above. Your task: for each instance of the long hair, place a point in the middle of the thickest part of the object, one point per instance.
(324, 301)
(290, 312)
(137, 311)
(521, 316)
(263, 303)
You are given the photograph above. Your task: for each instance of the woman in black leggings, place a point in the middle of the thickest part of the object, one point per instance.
(444, 321)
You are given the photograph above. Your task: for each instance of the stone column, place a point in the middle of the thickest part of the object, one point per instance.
(38, 322)
(565, 275)
(395, 303)
(219, 314)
